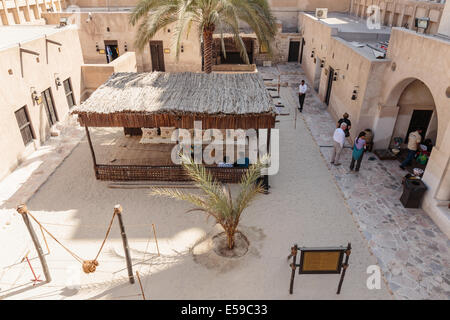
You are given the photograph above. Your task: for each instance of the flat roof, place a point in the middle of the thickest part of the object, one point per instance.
(347, 23)
(354, 33)
(11, 36)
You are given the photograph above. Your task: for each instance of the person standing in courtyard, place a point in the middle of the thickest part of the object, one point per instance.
(302, 88)
(358, 151)
(338, 143)
(414, 140)
(345, 118)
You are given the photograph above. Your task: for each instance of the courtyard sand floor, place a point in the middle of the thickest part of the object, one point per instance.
(304, 207)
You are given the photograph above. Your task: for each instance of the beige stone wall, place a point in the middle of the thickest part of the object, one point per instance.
(95, 32)
(397, 13)
(14, 12)
(425, 58)
(280, 47)
(444, 26)
(94, 75)
(15, 90)
(287, 10)
(416, 96)
(355, 71)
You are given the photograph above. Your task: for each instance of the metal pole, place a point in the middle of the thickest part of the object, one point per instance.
(23, 210)
(294, 250)
(344, 266)
(118, 212)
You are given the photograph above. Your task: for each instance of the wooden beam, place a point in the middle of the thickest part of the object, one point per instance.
(21, 51)
(91, 147)
(47, 41)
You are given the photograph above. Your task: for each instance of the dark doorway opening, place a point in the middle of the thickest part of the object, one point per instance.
(420, 119)
(157, 54)
(233, 53)
(234, 58)
(111, 50)
(329, 86)
(49, 107)
(294, 49)
(301, 51)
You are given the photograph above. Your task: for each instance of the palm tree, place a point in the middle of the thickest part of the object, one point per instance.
(223, 16)
(217, 200)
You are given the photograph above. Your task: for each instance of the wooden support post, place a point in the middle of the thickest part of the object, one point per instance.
(344, 266)
(23, 210)
(266, 177)
(92, 149)
(118, 212)
(293, 254)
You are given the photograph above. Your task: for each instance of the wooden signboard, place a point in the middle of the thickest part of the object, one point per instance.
(320, 261)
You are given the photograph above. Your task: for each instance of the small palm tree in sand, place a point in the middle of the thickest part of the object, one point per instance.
(217, 200)
(209, 16)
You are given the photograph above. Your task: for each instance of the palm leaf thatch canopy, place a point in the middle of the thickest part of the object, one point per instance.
(177, 99)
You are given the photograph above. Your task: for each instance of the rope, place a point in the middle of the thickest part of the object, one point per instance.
(106, 236)
(57, 241)
(92, 226)
(89, 266)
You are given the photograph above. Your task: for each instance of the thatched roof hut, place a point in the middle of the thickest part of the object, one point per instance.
(178, 99)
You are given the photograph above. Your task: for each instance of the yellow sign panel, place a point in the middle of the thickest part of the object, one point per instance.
(321, 260)
(166, 50)
(101, 51)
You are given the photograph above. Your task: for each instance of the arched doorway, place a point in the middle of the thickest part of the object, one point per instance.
(416, 110)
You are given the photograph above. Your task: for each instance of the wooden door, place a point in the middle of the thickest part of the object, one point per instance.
(49, 107)
(157, 54)
(330, 85)
(294, 48)
(301, 50)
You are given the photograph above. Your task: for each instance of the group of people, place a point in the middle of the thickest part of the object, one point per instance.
(415, 148)
(340, 134)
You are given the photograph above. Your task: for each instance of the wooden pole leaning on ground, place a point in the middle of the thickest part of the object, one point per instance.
(140, 285)
(344, 266)
(293, 255)
(156, 240)
(126, 248)
(23, 210)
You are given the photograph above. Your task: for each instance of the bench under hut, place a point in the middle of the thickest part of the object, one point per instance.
(153, 100)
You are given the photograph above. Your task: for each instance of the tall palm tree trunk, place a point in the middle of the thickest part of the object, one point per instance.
(207, 47)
